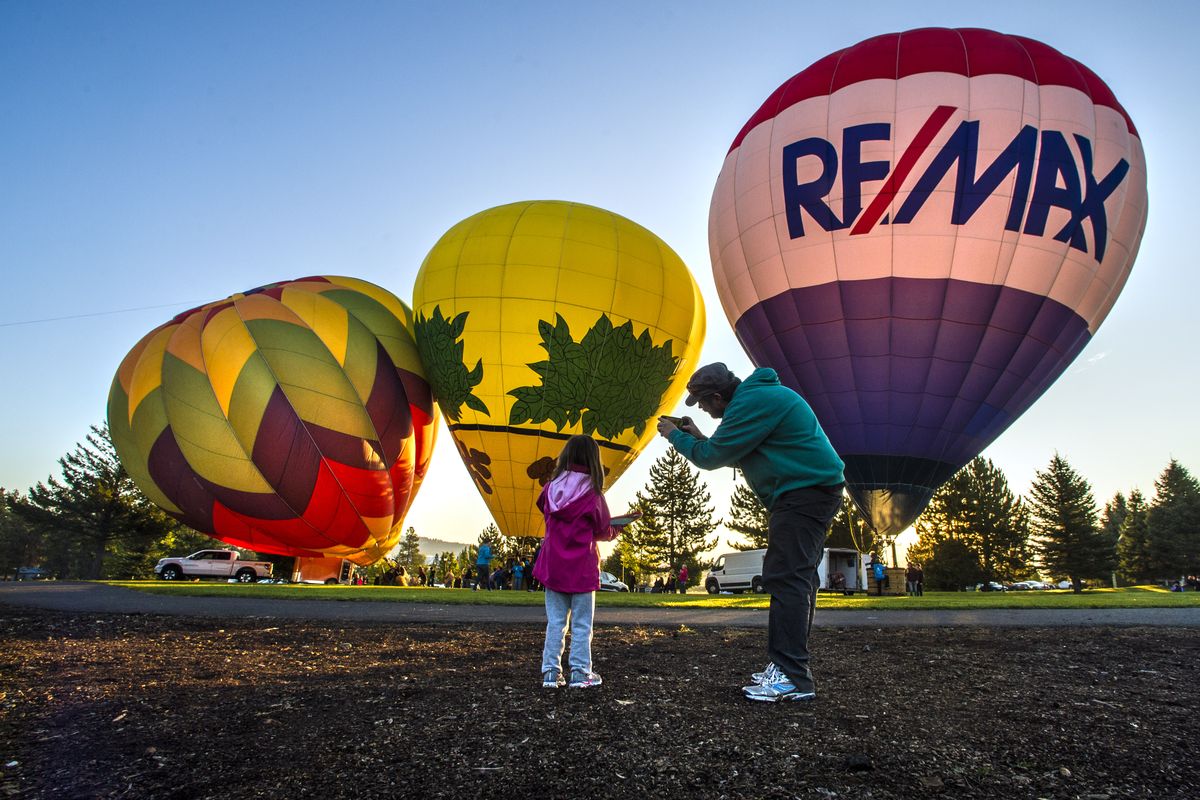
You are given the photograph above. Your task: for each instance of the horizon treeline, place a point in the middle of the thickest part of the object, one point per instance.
(92, 522)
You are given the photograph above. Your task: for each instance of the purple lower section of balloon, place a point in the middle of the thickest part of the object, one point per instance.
(933, 369)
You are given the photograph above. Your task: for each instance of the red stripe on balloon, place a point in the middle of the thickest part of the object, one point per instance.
(904, 166)
(970, 52)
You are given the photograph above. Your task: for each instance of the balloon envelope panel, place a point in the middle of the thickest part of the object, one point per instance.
(543, 319)
(292, 419)
(920, 233)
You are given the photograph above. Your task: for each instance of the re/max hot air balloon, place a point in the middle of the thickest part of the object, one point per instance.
(919, 233)
(292, 419)
(540, 320)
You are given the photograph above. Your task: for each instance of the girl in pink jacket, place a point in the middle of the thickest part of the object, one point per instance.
(569, 563)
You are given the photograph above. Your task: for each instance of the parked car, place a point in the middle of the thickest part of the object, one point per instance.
(991, 586)
(223, 564)
(609, 583)
(33, 574)
(1024, 586)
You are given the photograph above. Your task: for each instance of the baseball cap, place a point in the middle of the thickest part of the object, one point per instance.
(709, 379)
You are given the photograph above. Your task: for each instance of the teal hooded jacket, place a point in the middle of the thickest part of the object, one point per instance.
(772, 435)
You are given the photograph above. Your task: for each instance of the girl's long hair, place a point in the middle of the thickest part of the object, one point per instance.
(582, 451)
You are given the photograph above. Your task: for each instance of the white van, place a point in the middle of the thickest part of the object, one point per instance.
(736, 572)
(841, 570)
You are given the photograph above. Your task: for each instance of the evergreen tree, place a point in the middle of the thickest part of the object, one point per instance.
(1063, 520)
(1174, 524)
(408, 552)
(96, 523)
(944, 520)
(20, 544)
(996, 522)
(976, 509)
(1133, 553)
(950, 565)
(676, 519)
(1111, 519)
(747, 516)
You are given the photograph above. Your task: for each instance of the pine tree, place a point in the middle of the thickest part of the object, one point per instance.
(1063, 520)
(1111, 519)
(96, 522)
(20, 543)
(996, 522)
(749, 517)
(944, 519)
(977, 510)
(408, 552)
(1133, 553)
(950, 565)
(676, 519)
(1174, 524)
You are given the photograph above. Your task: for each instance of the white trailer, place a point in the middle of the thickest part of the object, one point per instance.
(842, 570)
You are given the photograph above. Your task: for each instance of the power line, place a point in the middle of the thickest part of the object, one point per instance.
(92, 314)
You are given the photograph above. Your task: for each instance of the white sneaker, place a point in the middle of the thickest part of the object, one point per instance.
(780, 689)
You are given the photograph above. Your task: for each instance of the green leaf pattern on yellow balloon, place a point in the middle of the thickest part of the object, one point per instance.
(608, 382)
(442, 355)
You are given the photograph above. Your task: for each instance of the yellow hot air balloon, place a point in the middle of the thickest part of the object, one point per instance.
(539, 320)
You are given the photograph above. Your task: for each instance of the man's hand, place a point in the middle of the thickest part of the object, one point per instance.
(666, 424)
(666, 427)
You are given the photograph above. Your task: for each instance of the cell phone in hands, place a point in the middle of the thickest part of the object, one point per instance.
(678, 422)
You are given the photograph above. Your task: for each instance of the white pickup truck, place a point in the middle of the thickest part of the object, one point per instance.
(222, 564)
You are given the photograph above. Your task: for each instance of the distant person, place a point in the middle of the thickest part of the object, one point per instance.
(533, 581)
(683, 579)
(483, 566)
(499, 579)
(422, 578)
(920, 581)
(518, 573)
(879, 570)
(658, 586)
(772, 435)
(837, 582)
(910, 580)
(569, 563)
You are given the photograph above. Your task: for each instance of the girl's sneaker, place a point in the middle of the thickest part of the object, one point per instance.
(552, 679)
(584, 680)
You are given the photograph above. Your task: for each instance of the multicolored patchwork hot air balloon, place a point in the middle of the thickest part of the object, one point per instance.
(292, 419)
(540, 320)
(920, 233)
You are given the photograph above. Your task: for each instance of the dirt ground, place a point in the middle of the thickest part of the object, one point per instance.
(148, 706)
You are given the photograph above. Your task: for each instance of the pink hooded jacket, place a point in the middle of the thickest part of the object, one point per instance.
(576, 516)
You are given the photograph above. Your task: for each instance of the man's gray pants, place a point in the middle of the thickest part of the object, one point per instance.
(795, 543)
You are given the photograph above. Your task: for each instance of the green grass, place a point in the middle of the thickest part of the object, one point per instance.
(1132, 597)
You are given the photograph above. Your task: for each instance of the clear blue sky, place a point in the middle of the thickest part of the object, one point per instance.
(158, 155)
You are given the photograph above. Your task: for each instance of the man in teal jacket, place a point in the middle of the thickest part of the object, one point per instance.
(770, 434)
